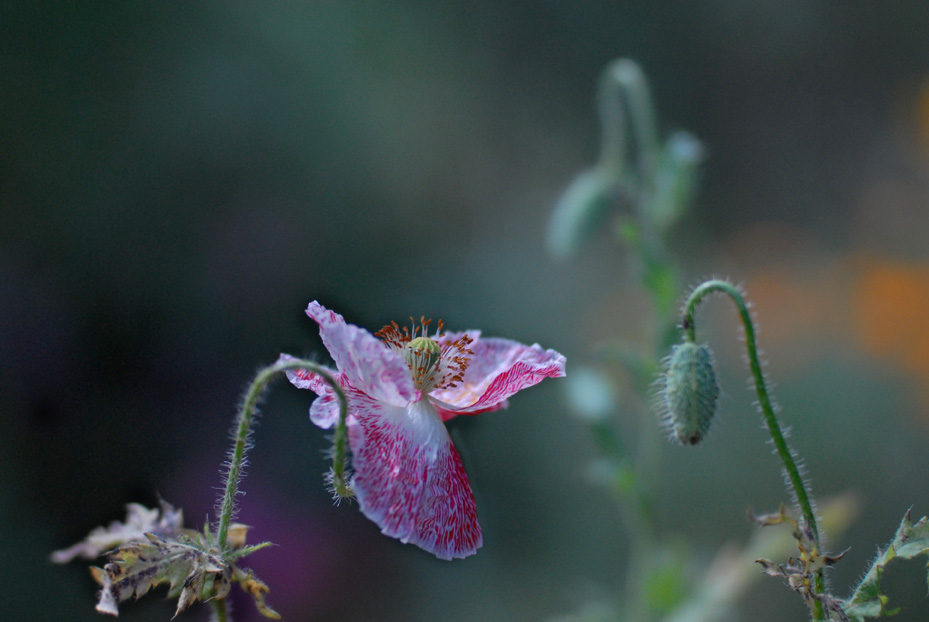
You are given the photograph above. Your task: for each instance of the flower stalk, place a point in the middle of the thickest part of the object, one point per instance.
(220, 613)
(623, 86)
(243, 431)
(764, 401)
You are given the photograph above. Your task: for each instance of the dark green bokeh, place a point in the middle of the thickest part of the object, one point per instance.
(178, 180)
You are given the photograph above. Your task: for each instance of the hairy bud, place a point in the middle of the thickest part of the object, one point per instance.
(690, 392)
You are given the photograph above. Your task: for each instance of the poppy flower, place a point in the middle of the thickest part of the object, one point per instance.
(401, 385)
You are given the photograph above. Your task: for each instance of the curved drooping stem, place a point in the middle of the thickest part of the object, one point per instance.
(623, 87)
(242, 442)
(764, 400)
(243, 431)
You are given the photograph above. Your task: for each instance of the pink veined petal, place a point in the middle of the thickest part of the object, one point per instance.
(306, 379)
(324, 411)
(447, 412)
(409, 478)
(367, 363)
(498, 369)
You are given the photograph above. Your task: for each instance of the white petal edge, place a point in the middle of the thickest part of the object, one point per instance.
(499, 368)
(325, 410)
(367, 363)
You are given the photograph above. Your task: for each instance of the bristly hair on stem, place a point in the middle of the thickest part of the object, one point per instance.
(793, 473)
(230, 468)
(242, 432)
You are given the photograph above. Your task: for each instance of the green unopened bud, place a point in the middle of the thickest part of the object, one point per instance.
(690, 392)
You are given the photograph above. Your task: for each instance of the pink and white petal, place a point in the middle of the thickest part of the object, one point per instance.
(449, 527)
(409, 478)
(368, 364)
(306, 379)
(324, 411)
(447, 411)
(498, 369)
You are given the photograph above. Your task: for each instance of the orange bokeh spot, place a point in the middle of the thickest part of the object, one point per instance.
(792, 309)
(890, 309)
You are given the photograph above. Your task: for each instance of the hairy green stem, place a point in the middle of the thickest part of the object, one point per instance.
(764, 401)
(244, 421)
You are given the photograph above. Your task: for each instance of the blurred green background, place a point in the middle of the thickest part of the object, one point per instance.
(179, 179)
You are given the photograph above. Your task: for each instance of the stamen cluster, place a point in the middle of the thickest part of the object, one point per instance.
(433, 364)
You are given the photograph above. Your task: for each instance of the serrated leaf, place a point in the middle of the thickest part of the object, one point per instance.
(152, 548)
(139, 566)
(915, 540)
(164, 521)
(247, 550)
(868, 601)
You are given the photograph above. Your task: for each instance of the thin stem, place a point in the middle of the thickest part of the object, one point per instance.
(244, 421)
(612, 111)
(774, 428)
(219, 610)
(624, 83)
(623, 87)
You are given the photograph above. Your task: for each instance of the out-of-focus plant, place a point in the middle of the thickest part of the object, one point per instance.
(647, 186)
(639, 188)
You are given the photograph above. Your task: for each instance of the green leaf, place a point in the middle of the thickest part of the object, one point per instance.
(665, 587)
(137, 567)
(868, 601)
(246, 551)
(152, 547)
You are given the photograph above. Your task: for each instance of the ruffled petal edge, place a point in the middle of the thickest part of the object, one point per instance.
(324, 411)
(367, 363)
(498, 369)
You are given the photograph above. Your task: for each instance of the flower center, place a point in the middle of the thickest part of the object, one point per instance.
(423, 356)
(435, 362)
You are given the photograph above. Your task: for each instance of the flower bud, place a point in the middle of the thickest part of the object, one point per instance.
(690, 392)
(580, 211)
(675, 182)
